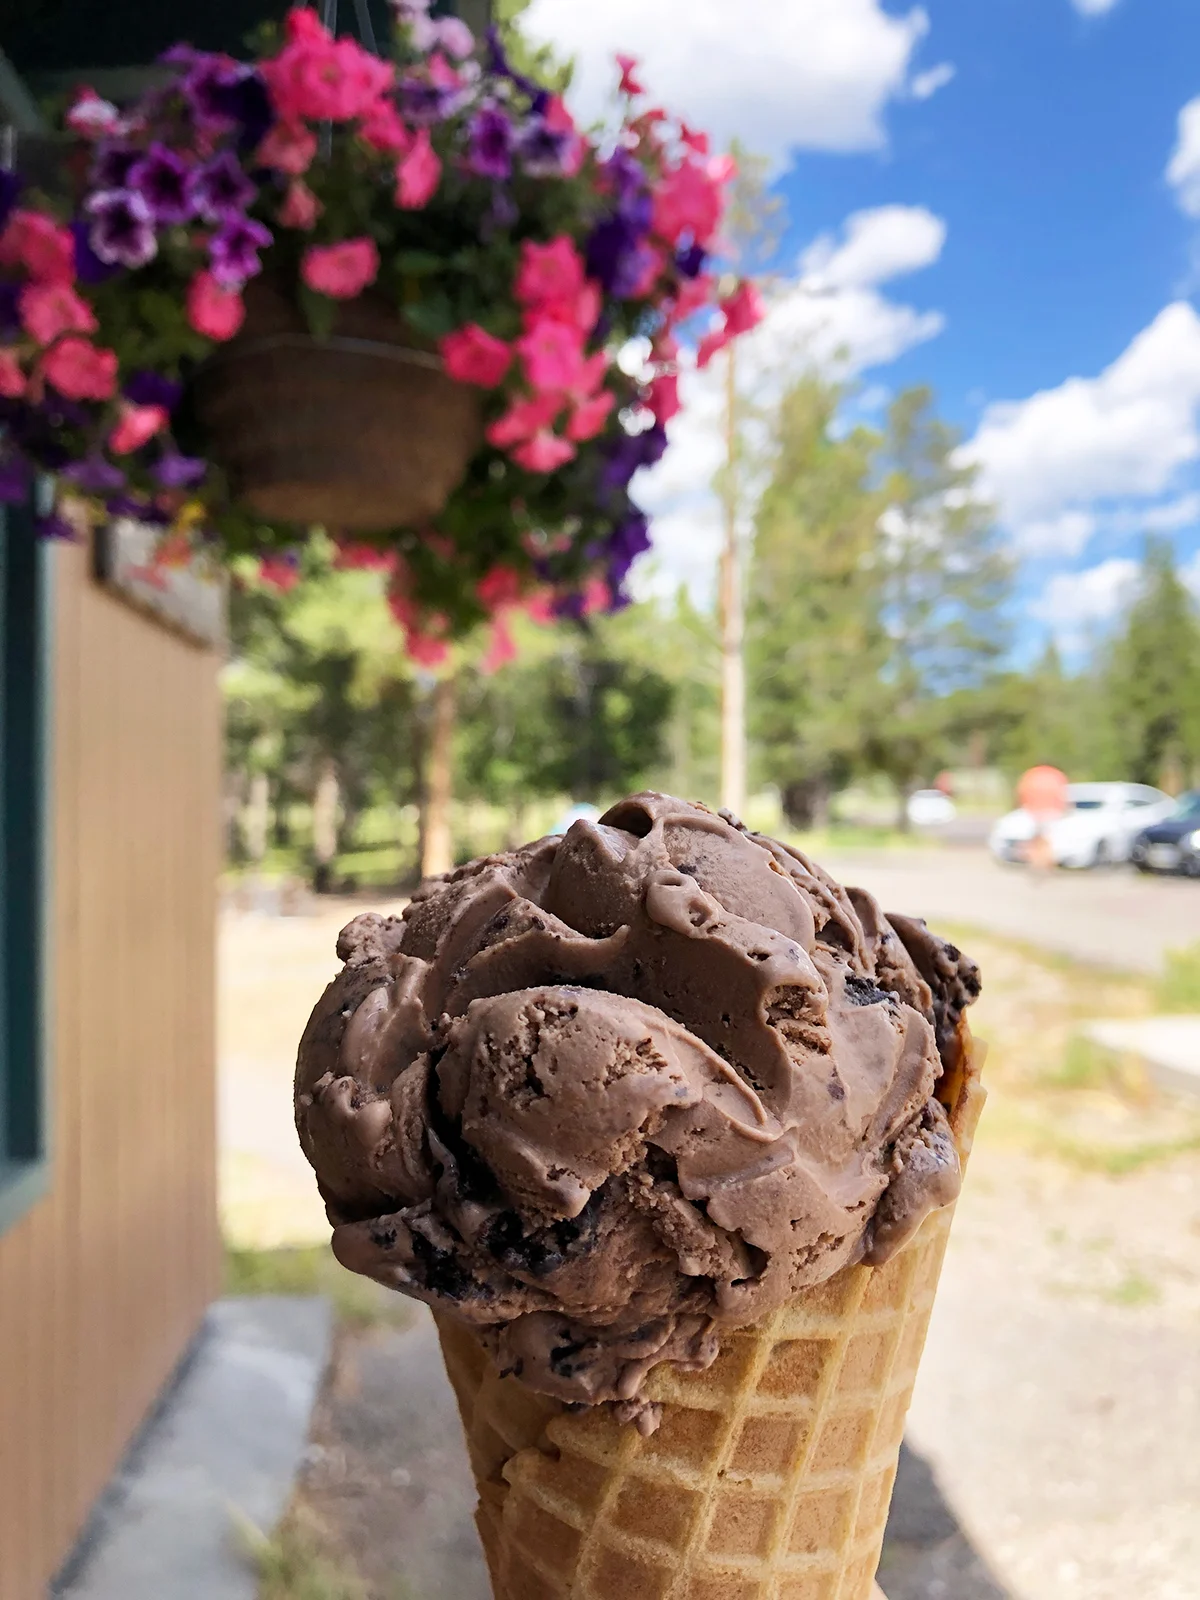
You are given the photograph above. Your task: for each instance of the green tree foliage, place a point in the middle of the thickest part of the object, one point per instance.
(318, 675)
(583, 712)
(1152, 684)
(941, 580)
(813, 640)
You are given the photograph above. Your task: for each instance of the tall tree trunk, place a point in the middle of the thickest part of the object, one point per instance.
(325, 825)
(437, 847)
(732, 617)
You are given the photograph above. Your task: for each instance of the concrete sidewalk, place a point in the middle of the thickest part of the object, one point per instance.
(222, 1448)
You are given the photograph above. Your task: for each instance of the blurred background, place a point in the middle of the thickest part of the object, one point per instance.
(922, 537)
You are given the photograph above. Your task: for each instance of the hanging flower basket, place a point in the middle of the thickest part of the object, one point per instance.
(382, 296)
(361, 431)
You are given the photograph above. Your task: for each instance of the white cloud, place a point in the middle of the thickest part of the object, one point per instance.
(808, 74)
(1183, 169)
(1191, 574)
(1094, 8)
(1077, 605)
(835, 318)
(926, 84)
(1067, 534)
(1124, 433)
(879, 245)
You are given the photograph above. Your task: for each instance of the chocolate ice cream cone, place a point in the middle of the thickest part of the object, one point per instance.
(770, 1475)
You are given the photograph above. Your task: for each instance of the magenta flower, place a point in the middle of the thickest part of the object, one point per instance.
(216, 312)
(220, 191)
(472, 355)
(418, 174)
(341, 271)
(161, 178)
(122, 230)
(549, 273)
(545, 452)
(553, 356)
(234, 251)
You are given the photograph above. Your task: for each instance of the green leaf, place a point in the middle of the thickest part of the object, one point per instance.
(418, 263)
(319, 310)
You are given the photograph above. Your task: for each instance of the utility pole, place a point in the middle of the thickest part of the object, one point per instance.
(437, 844)
(732, 615)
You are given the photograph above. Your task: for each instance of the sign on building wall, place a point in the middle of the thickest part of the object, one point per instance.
(188, 595)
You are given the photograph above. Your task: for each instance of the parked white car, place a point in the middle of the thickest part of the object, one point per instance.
(930, 808)
(1099, 826)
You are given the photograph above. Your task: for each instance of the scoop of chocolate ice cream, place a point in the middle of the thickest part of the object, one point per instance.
(609, 1095)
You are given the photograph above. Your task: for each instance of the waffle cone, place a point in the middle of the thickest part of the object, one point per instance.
(771, 1474)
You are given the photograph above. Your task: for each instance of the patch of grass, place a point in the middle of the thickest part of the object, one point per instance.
(1179, 986)
(1133, 1290)
(291, 1565)
(1084, 1066)
(1113, 1160)
(358, 1301)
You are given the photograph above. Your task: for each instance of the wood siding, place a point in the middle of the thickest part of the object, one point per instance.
(103, 1283)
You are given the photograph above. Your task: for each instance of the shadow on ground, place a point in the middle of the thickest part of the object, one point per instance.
(926, 1554)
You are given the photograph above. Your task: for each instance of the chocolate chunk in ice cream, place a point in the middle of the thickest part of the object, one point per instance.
(609, 1096)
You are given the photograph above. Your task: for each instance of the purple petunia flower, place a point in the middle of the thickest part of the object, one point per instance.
(14, 480)
(629, 453)
(11, 185)
(220, 191)
(234, 251)
(147, 388)
(94, 475)
(501, 67)
(113, 164)
(690, 260)
(174, 471)
(122, 228)
(137, 510)
(489, 153)
(55, 527)
(221, 93)
(501, 215)
(542, 150)
(423, 103)
(616, 256)
(630, 539)
(88, 266)
(161, 178)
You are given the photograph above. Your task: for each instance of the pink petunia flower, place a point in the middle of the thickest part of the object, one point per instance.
(341, 271)
(425, 650)
(49, 310)
(549, 273)
(552, 353)
(353, 557)
(500, 586)
(79, 370)
(135, 427)
(319, 77)
(588, 419)
(36, 242)
(502, 648)
(711, 345)
(524, 419)
(91, 116)
(545, 452)
(301, 208)
(12, 379)
(384, 129)
(418, 174)
(215, 312)
(278, 573)
(288, 148)
(744, 308)
(663, 398)
(688, 200)
(692, 296)
(693, 139)
(472, 355)
(629, 81)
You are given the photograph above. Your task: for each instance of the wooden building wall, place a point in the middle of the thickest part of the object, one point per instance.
(103, 1283)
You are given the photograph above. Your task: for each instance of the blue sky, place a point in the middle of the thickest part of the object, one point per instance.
(979, 198)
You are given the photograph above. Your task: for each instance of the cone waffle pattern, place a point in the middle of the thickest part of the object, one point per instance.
(769, 1479)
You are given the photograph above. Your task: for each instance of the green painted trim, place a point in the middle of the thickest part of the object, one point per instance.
(26, 789)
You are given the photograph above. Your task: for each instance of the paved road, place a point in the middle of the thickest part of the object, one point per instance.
(1113, 918)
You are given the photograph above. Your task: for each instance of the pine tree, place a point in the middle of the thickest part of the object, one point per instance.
(814, 646)
(1153, 680)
